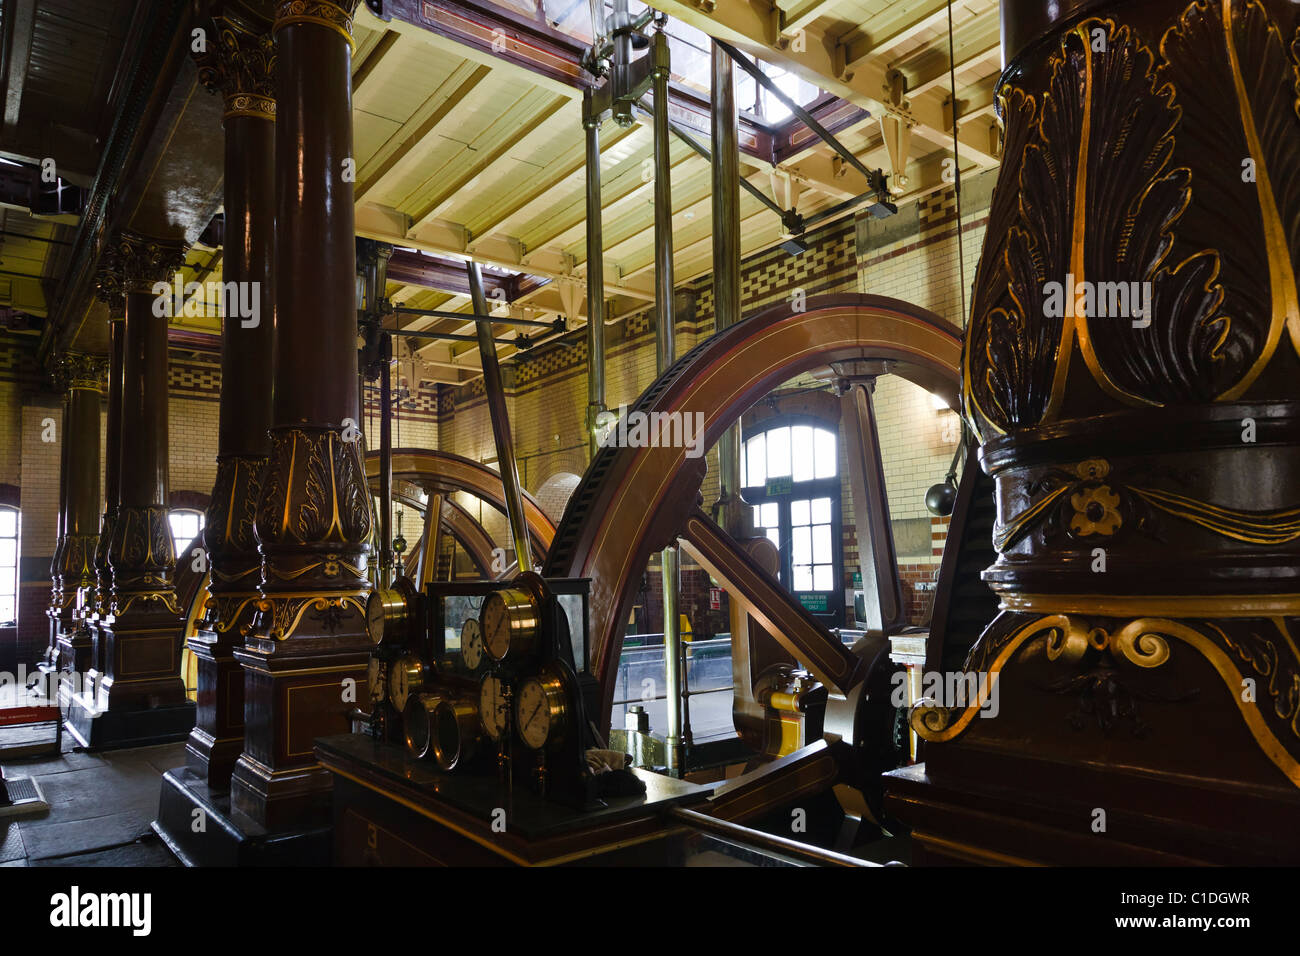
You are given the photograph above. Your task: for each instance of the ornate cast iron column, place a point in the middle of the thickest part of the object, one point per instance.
(1132, 372)
(141, 654)
(111, 291)
(239, 65)
(307, 650)
(81, 375)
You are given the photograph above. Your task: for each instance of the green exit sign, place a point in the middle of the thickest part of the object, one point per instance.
(813, 601)
(778, 486)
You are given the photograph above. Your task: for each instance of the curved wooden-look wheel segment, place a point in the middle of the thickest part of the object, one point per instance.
(635, 501)
(440, 475)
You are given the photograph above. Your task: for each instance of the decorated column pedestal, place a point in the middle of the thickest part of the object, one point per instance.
(306, 653)
(98, 610)
(1132, 371)
(141, 697)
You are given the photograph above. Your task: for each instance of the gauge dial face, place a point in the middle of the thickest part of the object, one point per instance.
(539, 710)
(378, 681)
(406, 678)
(493, 707)
(471, 644)
(508, 621)
(375, 617)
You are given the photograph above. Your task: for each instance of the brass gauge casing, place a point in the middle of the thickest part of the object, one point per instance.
(541, 711)
(405, 678)
(455, 732)
(387, 615)
(417, 722)
(510, 621)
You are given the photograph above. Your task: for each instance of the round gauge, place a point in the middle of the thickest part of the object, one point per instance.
(417, 723)
(540, 710)
(455, 732)
(378, 679)
(493, 707)
(405, 679)
(386, 614)
(509, 621)
(471, 644)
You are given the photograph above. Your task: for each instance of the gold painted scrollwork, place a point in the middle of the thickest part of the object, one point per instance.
(1235, 653)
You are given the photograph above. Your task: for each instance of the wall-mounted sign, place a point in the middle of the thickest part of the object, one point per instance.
(813, 601)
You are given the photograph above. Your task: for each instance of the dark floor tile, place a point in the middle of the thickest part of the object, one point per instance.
(50, 838)
(11, 841)
(140, 853)
(42, 766)
(98, 791)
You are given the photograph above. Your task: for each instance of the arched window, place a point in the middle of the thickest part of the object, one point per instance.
(8, 564)
(186, 524)
(790, 474)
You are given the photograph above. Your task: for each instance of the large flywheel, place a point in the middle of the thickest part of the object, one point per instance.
(440, 475)
(635, 501)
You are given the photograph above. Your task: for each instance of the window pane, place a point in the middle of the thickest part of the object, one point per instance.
(774, 535)
(8, 523)
(821, 511)
(799, 512)
(756, 453)
(802, 541)
(821, 536)
(822, 577)
(8, 552)
(801, 449)
(778, 452)
(827, 464)
(771, 515)
(6, 608)
(803, 579)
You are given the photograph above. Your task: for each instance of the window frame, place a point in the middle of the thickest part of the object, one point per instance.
(810, 490)
(18, 549)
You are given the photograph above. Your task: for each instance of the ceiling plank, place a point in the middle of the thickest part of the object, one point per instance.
(22, 17)
(406, 143)
(469, 172)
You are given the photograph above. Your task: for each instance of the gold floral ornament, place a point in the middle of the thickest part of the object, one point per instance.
(1096, 511)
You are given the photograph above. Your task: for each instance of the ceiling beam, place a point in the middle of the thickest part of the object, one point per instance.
(22, 17)
(819, 59)
(914, 18)
(484, 161)
(403, 148)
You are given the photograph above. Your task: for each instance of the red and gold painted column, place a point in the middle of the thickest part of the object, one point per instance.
(307, 650)
(82, 376)
(239, 65)
(1132, 370)
(141, 654)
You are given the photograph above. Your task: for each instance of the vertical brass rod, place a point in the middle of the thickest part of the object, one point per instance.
(595, 275)
(665, 354)
(496, 401)
(386, 462)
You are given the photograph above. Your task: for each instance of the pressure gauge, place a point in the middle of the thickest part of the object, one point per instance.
(509, 621)
(386, 615)
(455, 732)
(471, 644)
(541, 708)
(378, 679)
(493, 707)
(417, 723)
(405, 679)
